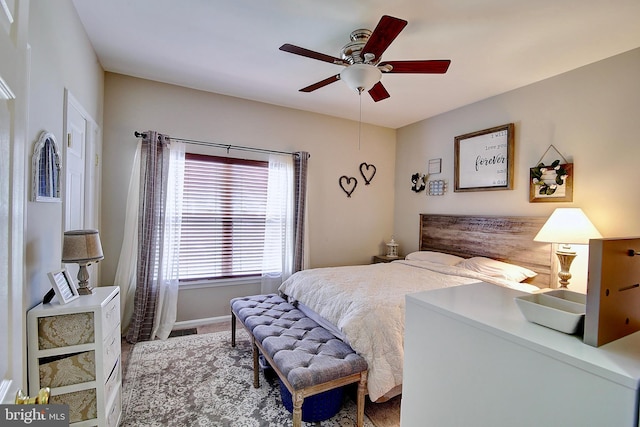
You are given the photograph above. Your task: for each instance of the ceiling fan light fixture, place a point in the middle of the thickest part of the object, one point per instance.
(361, 77)
(362, 56)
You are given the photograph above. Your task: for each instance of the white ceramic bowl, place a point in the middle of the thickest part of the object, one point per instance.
(561, 310)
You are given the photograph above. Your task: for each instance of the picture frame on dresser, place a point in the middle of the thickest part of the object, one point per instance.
(63, 286)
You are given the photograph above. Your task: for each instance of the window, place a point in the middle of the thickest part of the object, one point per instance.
(223, 217)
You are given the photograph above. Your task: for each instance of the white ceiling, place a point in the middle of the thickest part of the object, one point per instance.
(230, 47)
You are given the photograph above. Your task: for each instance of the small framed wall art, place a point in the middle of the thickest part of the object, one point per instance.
(435, 166)
(483, 160)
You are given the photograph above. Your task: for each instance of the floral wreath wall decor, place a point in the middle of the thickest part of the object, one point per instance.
(419, 182)
(551, 183)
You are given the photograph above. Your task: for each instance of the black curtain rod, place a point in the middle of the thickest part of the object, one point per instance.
(220, 145)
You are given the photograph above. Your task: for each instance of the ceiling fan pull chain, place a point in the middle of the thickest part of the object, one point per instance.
(360, 119)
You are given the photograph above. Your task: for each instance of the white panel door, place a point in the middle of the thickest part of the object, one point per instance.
(6, 317)
(82, 174)
(76, 132)
(14, 77)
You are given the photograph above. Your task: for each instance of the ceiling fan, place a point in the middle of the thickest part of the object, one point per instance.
(362, 60)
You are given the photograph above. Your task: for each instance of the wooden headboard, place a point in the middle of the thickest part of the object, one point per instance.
(505, 238)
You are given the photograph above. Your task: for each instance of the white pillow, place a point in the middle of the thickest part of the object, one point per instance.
(436, 257)
(495, 268)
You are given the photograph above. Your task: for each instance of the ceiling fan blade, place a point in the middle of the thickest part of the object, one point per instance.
(385, 32)
(321, 83)
(378, 92)
(297, 50)
(425, 66)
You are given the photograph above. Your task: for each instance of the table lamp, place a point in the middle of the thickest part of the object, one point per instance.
(567, 226)
(83, 248)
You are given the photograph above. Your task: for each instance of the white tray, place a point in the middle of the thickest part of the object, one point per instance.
(561, 310)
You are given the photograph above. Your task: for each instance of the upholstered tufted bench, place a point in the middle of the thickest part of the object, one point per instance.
(307, 358)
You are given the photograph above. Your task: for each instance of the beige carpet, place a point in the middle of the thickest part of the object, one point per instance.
(380, 414)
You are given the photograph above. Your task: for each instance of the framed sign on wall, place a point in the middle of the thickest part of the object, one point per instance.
(484, 160)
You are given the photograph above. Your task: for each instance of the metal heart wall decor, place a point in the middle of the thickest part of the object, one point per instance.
(368, 172)
(348, 184)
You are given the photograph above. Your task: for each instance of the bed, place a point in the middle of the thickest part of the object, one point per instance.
(364, 304)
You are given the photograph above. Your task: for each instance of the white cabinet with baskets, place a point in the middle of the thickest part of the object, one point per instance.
(74, 349)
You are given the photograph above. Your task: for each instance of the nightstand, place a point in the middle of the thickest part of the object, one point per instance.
(384, 258)
(74, 349)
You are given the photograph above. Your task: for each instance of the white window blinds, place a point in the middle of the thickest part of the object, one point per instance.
(223, 218)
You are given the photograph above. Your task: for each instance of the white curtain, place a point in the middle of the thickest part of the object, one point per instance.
(166, 305)
(168, 268)
(126, 271)
(279, 230)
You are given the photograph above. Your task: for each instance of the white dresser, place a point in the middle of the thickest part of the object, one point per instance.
(471, 359)
(74, 349)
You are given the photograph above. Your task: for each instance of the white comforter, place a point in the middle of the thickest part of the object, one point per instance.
(366, 303)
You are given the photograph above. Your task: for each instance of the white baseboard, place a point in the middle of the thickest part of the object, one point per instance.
(184, 324)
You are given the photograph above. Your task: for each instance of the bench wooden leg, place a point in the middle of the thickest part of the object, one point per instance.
(362, 387)
(298, 400)
(256, 367)
(233, 329)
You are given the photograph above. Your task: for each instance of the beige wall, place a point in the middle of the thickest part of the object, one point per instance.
(590, 115)
(341, 230)
(61, 57)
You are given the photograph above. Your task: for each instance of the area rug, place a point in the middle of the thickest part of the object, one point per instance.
(200, 380)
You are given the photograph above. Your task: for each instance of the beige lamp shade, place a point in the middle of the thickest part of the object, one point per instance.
(81, 246)
(569, 226)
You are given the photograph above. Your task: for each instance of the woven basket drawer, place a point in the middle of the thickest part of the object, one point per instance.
(73, 369)
(82, 404)
(65, 330)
